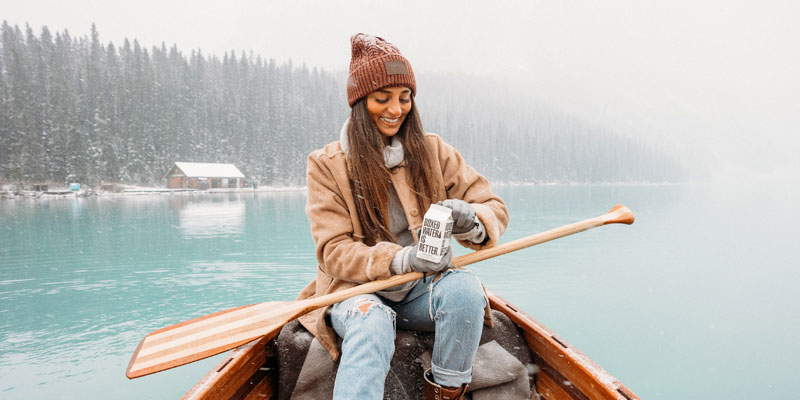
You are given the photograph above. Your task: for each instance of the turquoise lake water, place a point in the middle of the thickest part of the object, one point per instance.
(699, 299)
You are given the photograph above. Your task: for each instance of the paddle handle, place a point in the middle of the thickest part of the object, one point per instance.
(618, 215)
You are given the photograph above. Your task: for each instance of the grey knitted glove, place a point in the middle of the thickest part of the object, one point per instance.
(463, 214)
(420, 265)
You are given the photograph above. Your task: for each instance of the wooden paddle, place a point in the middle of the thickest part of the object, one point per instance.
(215, 333)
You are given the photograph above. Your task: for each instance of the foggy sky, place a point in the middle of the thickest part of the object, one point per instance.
(714, 82)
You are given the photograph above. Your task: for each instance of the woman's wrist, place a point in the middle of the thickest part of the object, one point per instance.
(475, 235)
(400, 264)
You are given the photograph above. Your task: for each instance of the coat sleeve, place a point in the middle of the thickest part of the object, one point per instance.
(339, 253)
(464, 182)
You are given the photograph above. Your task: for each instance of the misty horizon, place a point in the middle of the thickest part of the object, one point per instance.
(711, 84)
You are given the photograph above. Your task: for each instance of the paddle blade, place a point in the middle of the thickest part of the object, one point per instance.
(209, 335)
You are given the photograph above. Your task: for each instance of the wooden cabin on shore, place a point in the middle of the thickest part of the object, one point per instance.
(189, 175)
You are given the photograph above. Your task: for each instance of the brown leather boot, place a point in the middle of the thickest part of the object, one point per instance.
(433, 391)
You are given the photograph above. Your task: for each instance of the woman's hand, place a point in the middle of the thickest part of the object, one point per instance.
(463, 214)
(420, 265)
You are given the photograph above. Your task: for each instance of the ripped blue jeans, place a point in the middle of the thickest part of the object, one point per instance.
(453, 310)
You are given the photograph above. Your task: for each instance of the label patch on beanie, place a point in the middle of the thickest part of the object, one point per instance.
(396, 67)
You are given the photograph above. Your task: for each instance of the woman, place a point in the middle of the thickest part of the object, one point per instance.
(367, 194)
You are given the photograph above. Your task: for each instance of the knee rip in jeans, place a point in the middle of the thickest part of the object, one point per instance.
(363, 306)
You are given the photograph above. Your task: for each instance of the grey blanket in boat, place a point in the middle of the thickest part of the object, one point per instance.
(501, 369)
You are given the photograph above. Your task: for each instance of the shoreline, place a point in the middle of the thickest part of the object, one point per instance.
(6, 194)
(134, 191)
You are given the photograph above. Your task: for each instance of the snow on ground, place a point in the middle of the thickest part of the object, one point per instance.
(10, 193)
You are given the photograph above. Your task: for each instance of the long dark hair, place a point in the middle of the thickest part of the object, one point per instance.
(369, 177)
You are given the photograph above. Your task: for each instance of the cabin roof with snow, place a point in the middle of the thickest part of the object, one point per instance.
(209, 170)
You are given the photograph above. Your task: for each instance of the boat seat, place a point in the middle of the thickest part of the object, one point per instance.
(502, 368)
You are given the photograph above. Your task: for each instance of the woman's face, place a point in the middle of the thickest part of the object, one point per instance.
(388, 108)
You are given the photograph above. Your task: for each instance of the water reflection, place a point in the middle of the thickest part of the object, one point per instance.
(212, 219)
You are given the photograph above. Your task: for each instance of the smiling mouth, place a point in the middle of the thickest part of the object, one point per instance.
(390, 120)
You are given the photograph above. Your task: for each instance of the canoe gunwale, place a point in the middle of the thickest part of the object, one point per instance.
(575, 375)
(580, 371)
(226, 382)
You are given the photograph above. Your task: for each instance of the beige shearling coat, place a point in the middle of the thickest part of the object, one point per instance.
(344, 260)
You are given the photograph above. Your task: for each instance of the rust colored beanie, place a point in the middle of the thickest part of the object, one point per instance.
(376, 64)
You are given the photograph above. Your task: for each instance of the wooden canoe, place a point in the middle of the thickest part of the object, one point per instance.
(251, 371)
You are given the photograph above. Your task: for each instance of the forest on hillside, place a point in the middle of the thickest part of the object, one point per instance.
(75, 106)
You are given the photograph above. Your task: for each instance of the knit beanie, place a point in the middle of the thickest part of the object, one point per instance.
(376, 64)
